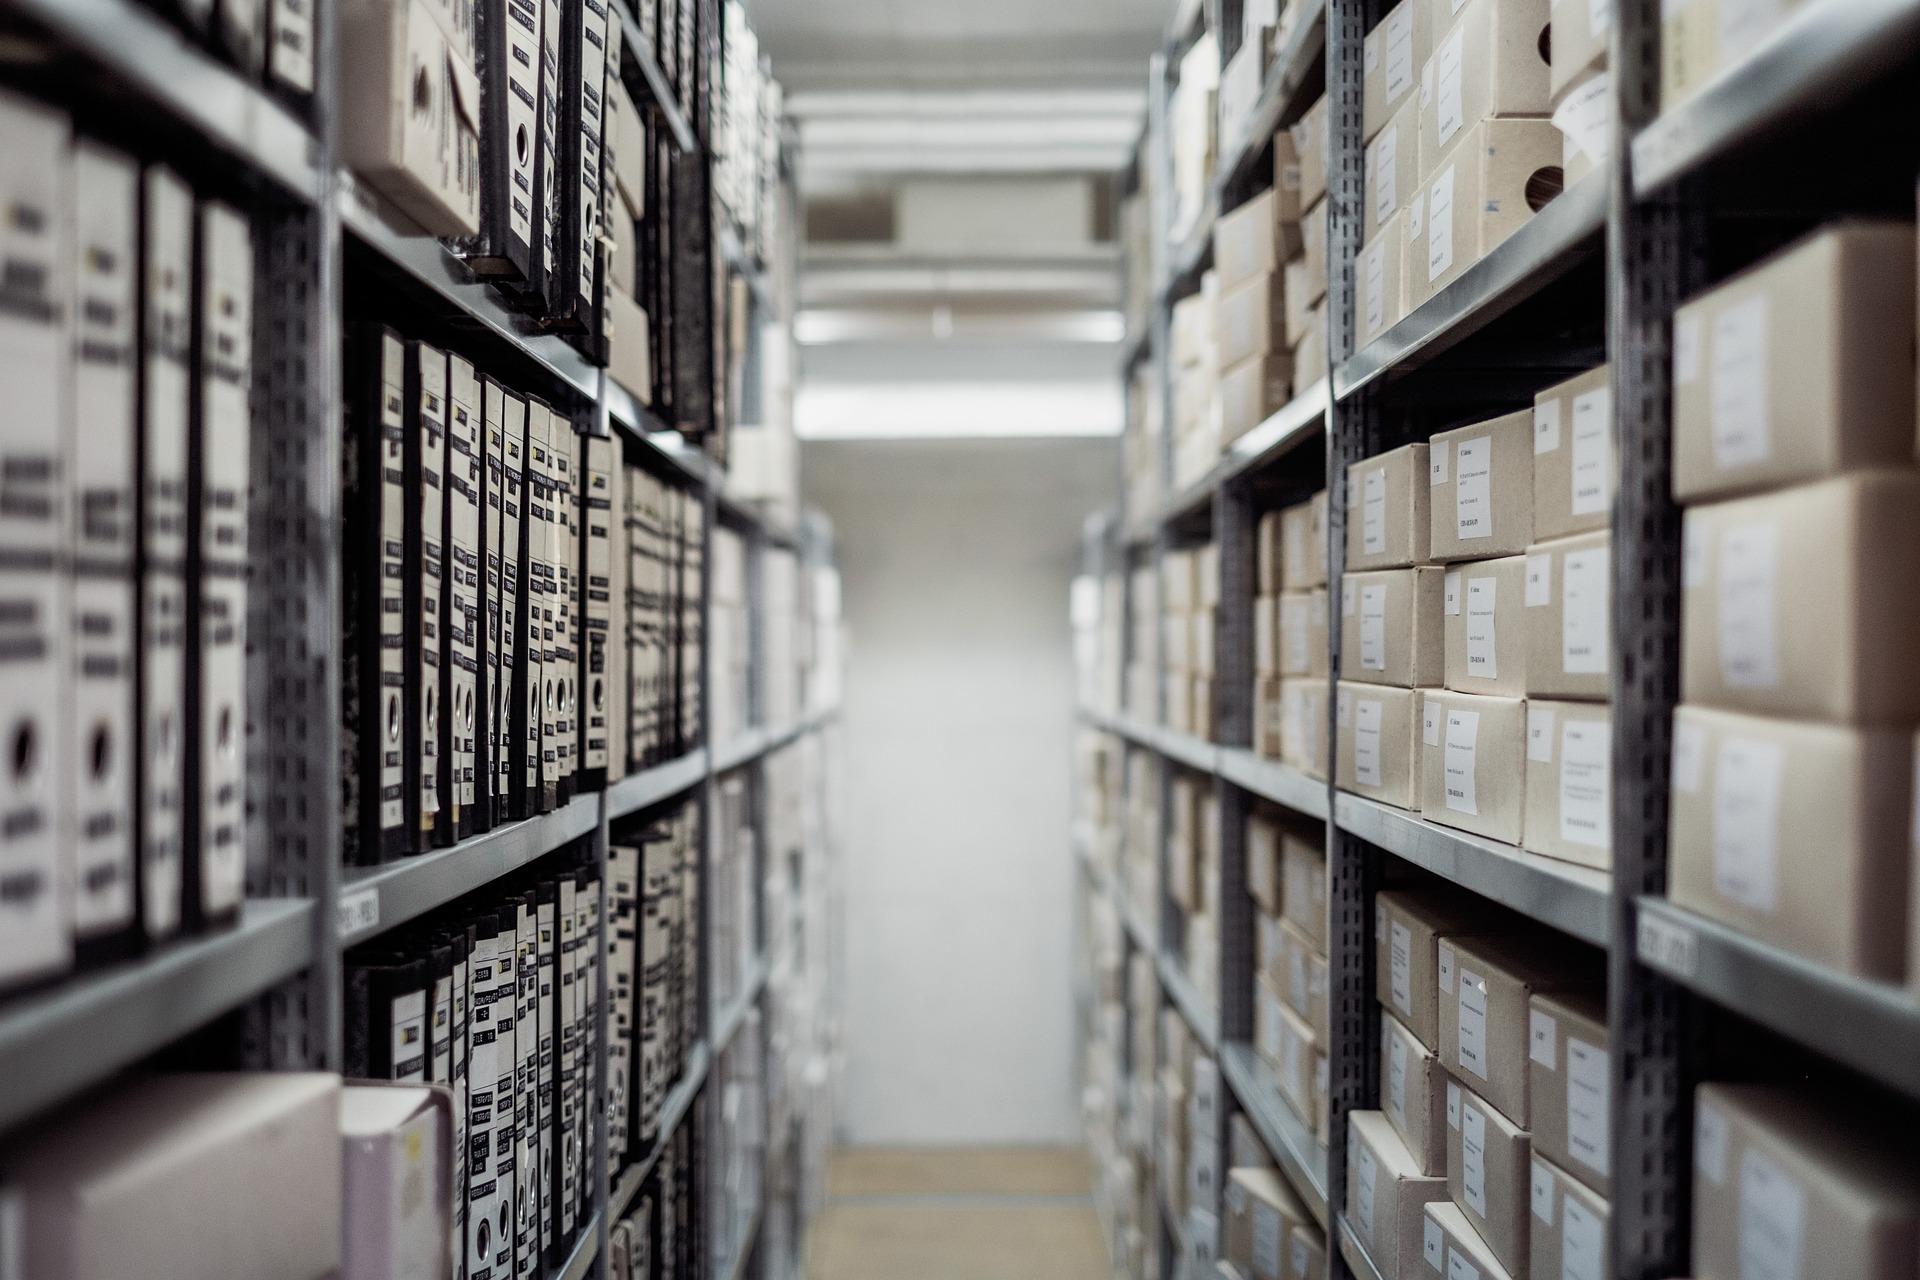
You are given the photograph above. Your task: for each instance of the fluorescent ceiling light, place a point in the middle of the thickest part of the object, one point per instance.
(956, 410)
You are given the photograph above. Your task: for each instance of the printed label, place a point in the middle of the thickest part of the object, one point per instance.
(1686, 348)
(1592, 477)
(1447, 111)
(1689, 756)
(359, 910)
(1542, 1193)
(1473, 489)
(1432, 1243)
(1584, 621)
(1588, 1138)
(1386, 163)
(1473, 1022)
(1741, 433)
(1473, 1159)
(1463, 732)
(1366, 742)
(1443, 969)
(1665, 945)
(1749, 654)
(1344, 708)
(1540, 733)
(1451, 584)
(1373, 511)
(1440, 225)
(1376, 276)
(1586, 783)
(1401, 986)
(1546, 427)
(1453, 1105)
(1439, 453)
(1366, 1169)
(1583, 1239)
(1710, 1144)
(1539, 580)
(1370, 52)
(1773, 1211)
(1429, 722)
(1482, 658)
(1373, 628)
(1399, 52)
(1349, 596)
(1746, 820)
(1458, 1268)
(1543, 1039)
(1397, 1080)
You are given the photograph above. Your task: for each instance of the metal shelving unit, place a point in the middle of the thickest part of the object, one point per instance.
(1281, 96)
(1286, 1134)
(677, 1106)
(1292, 426)
(1359, 1260)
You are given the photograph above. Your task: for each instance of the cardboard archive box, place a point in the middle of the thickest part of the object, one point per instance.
(1574, 463)
(1413, 1094)
(1489, 60)
(1569, 1110)
(1485, 624)
(1386, 1191)
(1452, 1246)
(1796, 834)
(1570, 781)
(1392, 55)
(1392, 169)
(1408, 926)
(1485, 1019)
(1379, 743)
(1496, 178)
(1392, 626)
(1800, 367)
(1388, 520)
(1480, 481)
(1569, 617)
(1303, 725)
(1490, 1172)
(1382, 283)
(1303, 534)
(1568, 1233)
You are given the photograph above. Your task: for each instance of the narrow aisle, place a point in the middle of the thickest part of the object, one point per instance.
(930, 1213)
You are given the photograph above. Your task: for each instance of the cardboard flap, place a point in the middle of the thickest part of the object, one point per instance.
(466, 90)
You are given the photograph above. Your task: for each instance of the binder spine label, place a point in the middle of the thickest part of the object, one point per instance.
(596, 600)
(390, 728)
(516, 680)
(427, 447)
(462, 610)
(407, 1025)
(546, 953)
(543, 697)
(34, 934)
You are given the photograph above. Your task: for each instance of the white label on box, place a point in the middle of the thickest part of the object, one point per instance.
(1742, 23)
(1268, 1227)
(1447, 108)
(1344, 707)
(1585, 118)
(1539, 579)
(1348, 595)
(1440, 225)
(1401, 951)
(1473, 1022)
(1290, 1067)
(1540, 733)
(1370, 51)
(1696, 554)
(1451, 584)
(1376, 267)
(1373, 511)
(1741, 433)
(1373, 628)
(1473, 1158)
(1399, 52)
(1586, 783)
(1473, 489)
(1543, 1039)
(1773, 1212)
(1592, 424)
(1542, 1193)
(1453, 1105)
(1439, 453)
(1584, 624)
(1686, 348)
(1366, 742)
(1367, 1170)
(1749, 654)
(1429, 722)
(1546, 427)
(1588, 1138)
(1386, 163)
(1463, 733)
(1483, 661)
(1583, 1239)
(1397, 1079)
(1689, 757)
(1432, 1243)
(1443, 968)
(1746, 820)
(1710, 1144)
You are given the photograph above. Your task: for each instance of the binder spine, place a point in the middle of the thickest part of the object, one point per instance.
(516, 681)
(426, 454)
(492, 738)
(530, 671)
(462, 941)
(101, 516)
(527, 1201)
(460, 609)
(546, 954)
(544, 295)
(613, 698)
(584, 33)
(377, 604)
(565, 924)
(510, 44)
(506, 1138)
(219, 476)
(160, 612)
(290, 46)
(562, 552)
(596, 590)
(543, 777)
(484, 1105)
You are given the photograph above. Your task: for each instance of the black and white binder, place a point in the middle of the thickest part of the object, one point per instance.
(487, 769)
(510, 52)
(591, 1025)
(596, 605)
(460, 603)
(623, 900)
(537, 537)
(290, 45)
(36, 195)
(583, 28)
(542, 298)
(510, 695)
(460, 938)
(426, 460)
(218, 477)
(614, 708)
(546, 958)
(487, 1110)
(241, 28)
(100, 512)
(505, 1008)
(567, 918)
(440, 1012)
(563, 550)
(527, 1199)
(386, 998)
(160, 673)
(373, 598)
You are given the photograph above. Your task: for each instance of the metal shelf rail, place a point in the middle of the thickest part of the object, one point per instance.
(677, 1106)
(1286, 1135)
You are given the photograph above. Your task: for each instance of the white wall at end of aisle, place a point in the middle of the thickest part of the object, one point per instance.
(959, 722)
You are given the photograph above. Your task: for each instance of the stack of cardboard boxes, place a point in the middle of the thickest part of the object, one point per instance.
(1142, 688)
(1192, 140)
(1193, 879)
(1190, 596)
(1476, 626)
(1456, 160)
(1287, 879)
(1195, 370)
(1270, 1235)
(1188, 1147)
(1793, 752)
(1300, 181)
(1250, 246)
(1701, 38)
(1290, 636)
(1141, 852)
(1490, 1153)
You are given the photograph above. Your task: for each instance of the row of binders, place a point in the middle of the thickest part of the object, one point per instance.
(494, 998)
(126, 359)
(266, 40)
(653, 977)
(521, 607)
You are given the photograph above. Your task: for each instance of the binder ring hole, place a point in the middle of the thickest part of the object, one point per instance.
(223, 734)
(422, 92)
(466, 710)
(552, 698)
(393, 718)
(520, 143)
(101, 752)
(599, 694)
(163, 738)
(26, 751)
(483, 1239)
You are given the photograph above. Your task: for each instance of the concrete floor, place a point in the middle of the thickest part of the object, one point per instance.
(1020, 1213)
